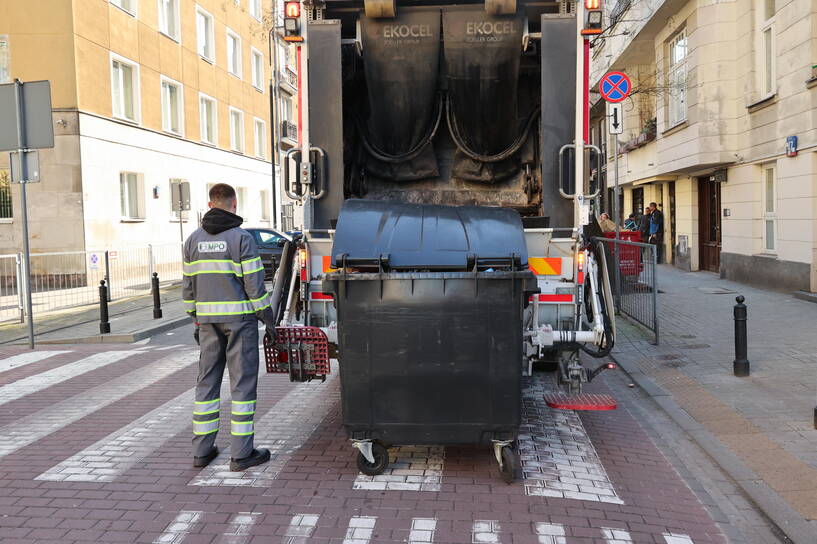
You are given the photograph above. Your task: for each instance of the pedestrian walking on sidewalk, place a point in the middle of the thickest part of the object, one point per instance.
(224, 292)
(657, 231)
(644, 225)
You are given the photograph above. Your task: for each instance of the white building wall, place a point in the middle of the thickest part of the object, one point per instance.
(108, 148)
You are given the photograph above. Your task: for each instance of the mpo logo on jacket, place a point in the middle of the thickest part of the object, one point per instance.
(218, 246)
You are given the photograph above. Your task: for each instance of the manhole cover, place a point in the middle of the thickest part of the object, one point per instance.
(716, 290)
(695, 346)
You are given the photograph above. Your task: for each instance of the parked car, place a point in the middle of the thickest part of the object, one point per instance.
(270, 246)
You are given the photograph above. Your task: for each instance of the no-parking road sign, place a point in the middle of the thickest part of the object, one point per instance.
(615, 86)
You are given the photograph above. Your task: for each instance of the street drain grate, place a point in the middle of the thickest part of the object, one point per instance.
(695, 346)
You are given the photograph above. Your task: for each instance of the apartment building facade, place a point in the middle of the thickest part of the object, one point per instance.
(720, 132)
(145, 94)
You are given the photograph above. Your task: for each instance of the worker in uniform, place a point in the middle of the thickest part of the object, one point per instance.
(224, 293)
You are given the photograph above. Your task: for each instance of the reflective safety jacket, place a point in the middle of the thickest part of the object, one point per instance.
(223, 274)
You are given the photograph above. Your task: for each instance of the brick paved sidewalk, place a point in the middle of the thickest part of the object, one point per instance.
(95, 446)
(766, 420)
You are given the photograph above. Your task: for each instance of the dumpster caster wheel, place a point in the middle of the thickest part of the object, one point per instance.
(381, 460)
(510, 465)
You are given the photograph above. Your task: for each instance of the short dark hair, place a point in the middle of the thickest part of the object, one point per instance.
(631, 216)
(653, 205)
(222, 194)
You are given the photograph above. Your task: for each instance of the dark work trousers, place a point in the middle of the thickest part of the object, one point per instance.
(234, 345)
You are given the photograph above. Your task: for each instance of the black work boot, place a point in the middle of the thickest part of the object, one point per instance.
(200, 462)
(257, 457)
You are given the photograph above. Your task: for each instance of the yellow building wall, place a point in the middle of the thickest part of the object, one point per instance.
(43, 26)
(102, 28)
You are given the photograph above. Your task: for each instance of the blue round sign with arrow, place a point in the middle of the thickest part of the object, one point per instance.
(615, 86)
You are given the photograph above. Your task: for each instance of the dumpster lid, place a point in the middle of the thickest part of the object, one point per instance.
(397, 235)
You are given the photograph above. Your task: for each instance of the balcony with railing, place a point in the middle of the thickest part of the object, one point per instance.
(288, 81)
(289, 134)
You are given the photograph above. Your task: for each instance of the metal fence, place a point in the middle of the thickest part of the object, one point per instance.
(632, 268)
(69, 279)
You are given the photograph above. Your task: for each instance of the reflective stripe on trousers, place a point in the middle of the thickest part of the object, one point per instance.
(205, 416)
(241, 422)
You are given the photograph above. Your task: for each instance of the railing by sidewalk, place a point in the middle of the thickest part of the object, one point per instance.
(632, 271)
(67, 279)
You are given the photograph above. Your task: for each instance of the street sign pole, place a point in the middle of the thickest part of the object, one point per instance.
(181, 208)
(617, 213)
(614, 88)
(21, 137)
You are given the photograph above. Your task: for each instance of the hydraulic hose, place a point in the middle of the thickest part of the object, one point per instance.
(456, 135)
(408, 155)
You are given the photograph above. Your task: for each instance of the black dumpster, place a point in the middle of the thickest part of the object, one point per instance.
(430, 302)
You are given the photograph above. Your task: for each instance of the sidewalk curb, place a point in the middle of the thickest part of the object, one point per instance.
(122, 338)
(793, 525)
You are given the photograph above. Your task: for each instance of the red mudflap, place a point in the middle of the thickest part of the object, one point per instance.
(584, 401)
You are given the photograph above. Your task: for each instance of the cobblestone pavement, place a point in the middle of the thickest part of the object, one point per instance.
(97, 448)
(765, 419)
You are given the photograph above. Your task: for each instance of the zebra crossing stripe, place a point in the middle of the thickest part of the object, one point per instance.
(110, 457)
(23, 359)
(44, 380)
(29, 429)
(178, 529)
(675, 538)
(360, 530)
(238, 528)
(549, 533)
(422, 530)
(283, 429)
(485, 530)
(616, 536)
(558, 458)
(412, 468)
(301, 527)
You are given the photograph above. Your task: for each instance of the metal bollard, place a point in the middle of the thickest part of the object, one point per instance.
(104, 325)
(157, 303)
(740, 367)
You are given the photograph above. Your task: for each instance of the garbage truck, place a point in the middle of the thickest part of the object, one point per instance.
(409, 112)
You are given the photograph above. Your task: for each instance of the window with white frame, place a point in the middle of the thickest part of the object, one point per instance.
(6, 207)
(677, 75)
(260, 134)
(131, 196)
(233, 53)
(208, 119)
(205, 37)
(236, 130)
(169, 18)
(265, 206)
(241, 195)
(255, 9)
(172, 106)
(125, 88)
(257, 69)
(125, 5)
(5, 60)
(766, 45)
(769, 209)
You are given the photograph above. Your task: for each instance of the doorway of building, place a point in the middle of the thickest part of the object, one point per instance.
(709, 221)
(672, 219)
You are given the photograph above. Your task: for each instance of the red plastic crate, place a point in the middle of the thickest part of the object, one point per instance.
(306, 348)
